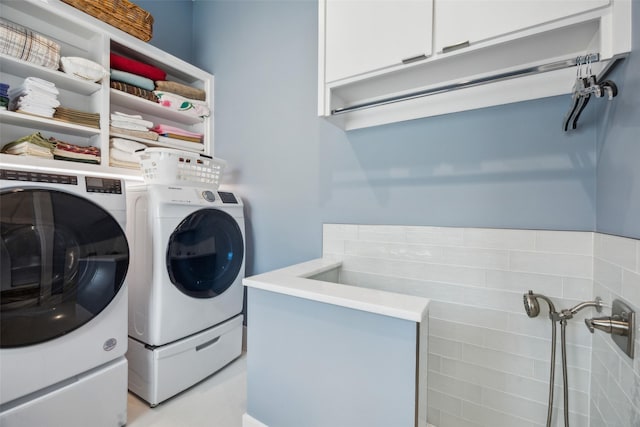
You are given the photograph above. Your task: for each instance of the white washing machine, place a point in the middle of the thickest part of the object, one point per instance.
(185, 286)
(63, 299)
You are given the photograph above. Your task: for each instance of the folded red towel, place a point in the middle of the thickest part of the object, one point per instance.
(136, 67)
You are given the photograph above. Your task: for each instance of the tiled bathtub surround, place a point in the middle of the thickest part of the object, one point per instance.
(489, 362)
(615, 385)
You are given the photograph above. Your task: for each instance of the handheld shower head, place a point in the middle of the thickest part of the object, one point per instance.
(531, 305)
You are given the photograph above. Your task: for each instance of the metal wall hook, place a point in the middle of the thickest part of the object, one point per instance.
(584, 87)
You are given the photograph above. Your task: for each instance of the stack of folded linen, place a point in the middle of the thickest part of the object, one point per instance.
(27, 45)
(149, 82)
(75, 153)
(122, 153)
(34, 96)
(78, 117)
(179, 103)
(181, 89)
(134, 77)
(179, 137)
(129, 134)
(139, 68)
(134, 90)
(30, 145)
(4, 96)
(130, 122)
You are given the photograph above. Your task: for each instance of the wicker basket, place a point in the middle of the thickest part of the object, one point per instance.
(121, 14)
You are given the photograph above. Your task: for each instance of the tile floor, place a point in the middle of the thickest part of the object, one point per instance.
(218, 401)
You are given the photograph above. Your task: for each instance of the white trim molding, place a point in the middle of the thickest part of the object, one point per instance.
(249, 421)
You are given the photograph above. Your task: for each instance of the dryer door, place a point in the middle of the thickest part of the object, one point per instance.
(205, 253)
(63, 259)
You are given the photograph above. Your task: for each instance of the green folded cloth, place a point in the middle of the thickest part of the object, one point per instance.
(34, 145)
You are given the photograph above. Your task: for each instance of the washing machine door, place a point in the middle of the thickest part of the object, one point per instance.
(205, 253)
(63, 259)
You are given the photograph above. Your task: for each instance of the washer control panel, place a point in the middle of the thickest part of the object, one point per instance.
(53, 178)
(103, 185)
(227, 197)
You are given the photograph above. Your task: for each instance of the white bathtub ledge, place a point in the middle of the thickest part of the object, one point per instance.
(293, 281)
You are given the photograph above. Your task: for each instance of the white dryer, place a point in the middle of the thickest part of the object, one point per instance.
(185, 286)
(63, 299)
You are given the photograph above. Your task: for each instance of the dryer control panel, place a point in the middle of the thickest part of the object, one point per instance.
(103, 185)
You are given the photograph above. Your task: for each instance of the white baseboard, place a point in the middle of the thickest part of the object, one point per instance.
(249, 421)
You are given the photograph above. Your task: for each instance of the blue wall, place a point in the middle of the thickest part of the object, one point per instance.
(618, 189)
(509, 166)
(172, 26)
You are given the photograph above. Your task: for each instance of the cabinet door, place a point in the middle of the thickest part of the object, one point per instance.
(458, 22)
(368, 35)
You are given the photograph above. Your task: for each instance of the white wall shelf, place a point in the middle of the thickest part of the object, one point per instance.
(62, 80)
(45, 124)
(82, 35)
(145, 107)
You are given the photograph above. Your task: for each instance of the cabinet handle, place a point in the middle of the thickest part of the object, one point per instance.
(414, 59)
(457, 46)
(207, 344)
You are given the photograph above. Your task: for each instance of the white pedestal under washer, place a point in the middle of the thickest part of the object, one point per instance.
(63, 299)
(185, 286)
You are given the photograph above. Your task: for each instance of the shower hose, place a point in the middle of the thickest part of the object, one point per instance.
(563, 339)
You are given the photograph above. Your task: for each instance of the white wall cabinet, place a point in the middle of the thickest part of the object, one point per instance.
(365, 35)
(467, 22)
(470, 41)
(82, 35)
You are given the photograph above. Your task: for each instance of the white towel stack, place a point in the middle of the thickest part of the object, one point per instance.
(34, 96)
(130, 122)
(121, 153)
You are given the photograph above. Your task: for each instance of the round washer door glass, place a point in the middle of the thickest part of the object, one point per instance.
(63, 259)
(205, 253)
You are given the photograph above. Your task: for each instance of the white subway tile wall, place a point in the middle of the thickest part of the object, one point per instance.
(615, 386)
(489, 362)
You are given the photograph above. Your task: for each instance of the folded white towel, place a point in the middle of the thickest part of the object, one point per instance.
(38, 111)
(128, 125)
(123, 156)
(130, 116)
(139, 122)
(118, 164)
(39, 82)
(182, 143)
(35, 101)
(34, 83)
(126, 145)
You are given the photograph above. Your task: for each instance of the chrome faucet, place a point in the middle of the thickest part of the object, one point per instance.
(608, 324)
(621, 326)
